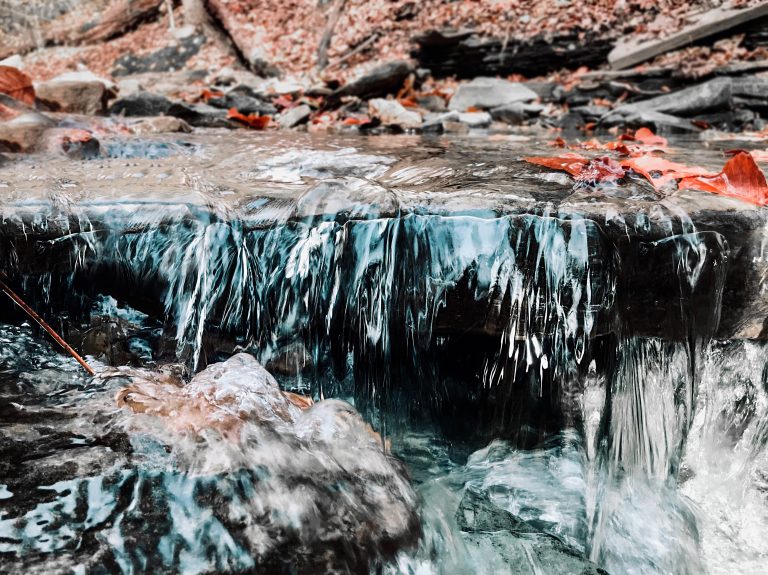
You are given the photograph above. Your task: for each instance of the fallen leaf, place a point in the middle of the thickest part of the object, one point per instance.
(659, 171)
(17, 85)
(207, 94)
(568, 162)
(648, 138)
(758, 155)
(603, 169)
(740, 178)
(251, 120)
(558, 142)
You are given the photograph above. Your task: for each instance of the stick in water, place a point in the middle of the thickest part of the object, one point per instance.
(41, 322)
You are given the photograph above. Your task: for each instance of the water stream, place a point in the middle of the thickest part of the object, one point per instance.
(557, 380)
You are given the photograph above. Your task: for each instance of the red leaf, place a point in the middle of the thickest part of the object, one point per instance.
(758, 155)
(17, 85)
(568, 162)
(558, 142)
(740, 178)
(659, 171)
(356, 120)
(207, 94)
(603, 169)
(648, 138)
(251, 120)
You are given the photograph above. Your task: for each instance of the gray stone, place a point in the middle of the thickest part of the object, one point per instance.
(489, 93)
(432, 102)
(161, 125)
(294, 116)
(245, 100)
(22, 133)
(383, 80)
(434, 123)
(140, 104)
(475, 119)
(72, 96)
(392, 113)
(200, 115)
(516, 113)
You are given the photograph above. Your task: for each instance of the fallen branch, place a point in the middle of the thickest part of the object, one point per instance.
(42, 323)
(325, 41)
(356, 50)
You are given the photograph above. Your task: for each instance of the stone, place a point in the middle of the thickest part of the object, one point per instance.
(381, 81)
(129, 86)
(161, 125)
(434, 123)
(22, 133)
(489, 93)
(140, 104)
(244, 100)
(166, 59)
(14, 61)
(294, 116)
(431, 102)
(592, 113)
(514, 113)
(73, 96)
(200, 115)
(392, 113)
(475, 119)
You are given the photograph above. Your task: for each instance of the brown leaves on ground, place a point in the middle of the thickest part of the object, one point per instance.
(17, 85)
(740, 177)
(253, 121)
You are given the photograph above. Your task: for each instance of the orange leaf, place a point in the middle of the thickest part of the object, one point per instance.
(207, 94)
(659, 171)
(568, 162)
(602, 169)
(648, 138)
(251, 120)
(558, 142)
(17, 85)
(356, 120)
(758, 155)
(740, 178)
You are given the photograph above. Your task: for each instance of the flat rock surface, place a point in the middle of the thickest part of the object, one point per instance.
(260, 180)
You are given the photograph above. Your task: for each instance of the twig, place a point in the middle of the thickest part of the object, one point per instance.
(356, 50)
(325, 40)
(42, 323)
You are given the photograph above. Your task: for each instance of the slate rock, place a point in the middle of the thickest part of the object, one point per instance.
(244, 100)
(166, 59)
(200, 115)
(161, 125)
(140, 104)
(435, 123)
(385, 79)
(294, 116)
(73, 96)
(489, 93)
(515, 113)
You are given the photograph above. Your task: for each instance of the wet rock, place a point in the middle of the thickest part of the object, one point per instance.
(161, 125)
(515, 113)
(245, 100)
(381, 81)
(489, 93)
(526, 554)
(140, 104)
(432, 102)
(637, 116)
(455, 127)
(22, 133)
(392, 113)
(434, 123)
(166, 59)
(475, 119)
(592, 113)
(294, 116)
(290, 360)
(73, 96)
(199, 115)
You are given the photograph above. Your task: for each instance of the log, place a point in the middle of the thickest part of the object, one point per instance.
(632, 52)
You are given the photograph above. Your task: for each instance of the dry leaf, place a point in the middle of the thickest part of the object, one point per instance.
(17, 85)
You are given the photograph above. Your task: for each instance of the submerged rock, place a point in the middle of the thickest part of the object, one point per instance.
(270, 482)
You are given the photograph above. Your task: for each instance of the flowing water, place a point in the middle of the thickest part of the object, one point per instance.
(560, 380)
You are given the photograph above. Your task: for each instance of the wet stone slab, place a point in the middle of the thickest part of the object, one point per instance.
(443, 215)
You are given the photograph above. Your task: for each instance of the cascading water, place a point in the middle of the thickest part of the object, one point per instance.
(556, 416)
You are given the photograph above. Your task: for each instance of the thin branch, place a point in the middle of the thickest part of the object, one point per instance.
(42, 323)
(356, 50)
(325, 41)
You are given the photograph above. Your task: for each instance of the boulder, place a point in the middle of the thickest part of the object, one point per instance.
(140, 104)
(489, 93)
(73, 96)
(294, 116)
(385, 79)
(392, 113)
(22, 133)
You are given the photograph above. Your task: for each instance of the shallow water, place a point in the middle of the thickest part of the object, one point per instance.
(560, 408)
